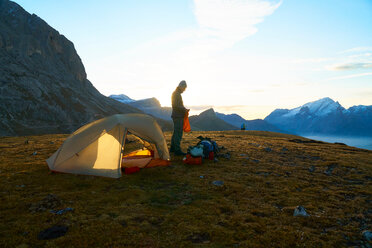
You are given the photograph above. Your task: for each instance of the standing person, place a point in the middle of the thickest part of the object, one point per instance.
(242, 127)
(178, 114)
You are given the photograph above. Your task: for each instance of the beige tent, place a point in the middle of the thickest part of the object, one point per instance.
(97, 148)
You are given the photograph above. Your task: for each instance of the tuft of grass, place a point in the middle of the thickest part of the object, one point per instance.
(175, 207)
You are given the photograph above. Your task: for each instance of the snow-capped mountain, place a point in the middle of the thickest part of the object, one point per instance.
(322, 107)
(324, 116)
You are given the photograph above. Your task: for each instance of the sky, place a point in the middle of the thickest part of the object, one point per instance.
(238, 56)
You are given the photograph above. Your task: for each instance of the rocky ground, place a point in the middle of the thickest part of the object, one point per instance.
(247, 200)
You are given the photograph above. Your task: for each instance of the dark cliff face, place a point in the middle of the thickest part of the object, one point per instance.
(43, 83)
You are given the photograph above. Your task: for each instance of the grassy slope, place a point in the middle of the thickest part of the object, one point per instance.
(161, 207)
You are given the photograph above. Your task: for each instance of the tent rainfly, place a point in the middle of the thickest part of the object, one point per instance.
(97, 148)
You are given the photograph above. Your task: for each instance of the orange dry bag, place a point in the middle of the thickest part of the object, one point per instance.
(186, 123)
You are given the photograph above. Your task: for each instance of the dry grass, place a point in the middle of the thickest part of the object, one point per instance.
(174, 207)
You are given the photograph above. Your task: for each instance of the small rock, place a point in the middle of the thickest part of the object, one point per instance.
(367, 235)
(268, 149)
(51, 142)
(256, 160)
(329, 169)
(284, 149)
(218, 183)
(34, 153)
(300, 211)
(215, 160)
(201, 177)
(242, 155)
(53, 232)
(20, 186)
(62, 211)
(312, 168)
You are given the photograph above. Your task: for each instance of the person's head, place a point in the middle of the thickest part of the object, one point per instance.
(182, 86)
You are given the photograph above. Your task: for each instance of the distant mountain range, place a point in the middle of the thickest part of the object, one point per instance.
(208, 120)
(257, 124)
(323, 117)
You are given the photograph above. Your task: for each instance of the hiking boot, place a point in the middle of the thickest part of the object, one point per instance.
(179, 153)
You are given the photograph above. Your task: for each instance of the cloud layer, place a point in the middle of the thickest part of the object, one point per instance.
(357, 58)
(351, 66)
(226, 22)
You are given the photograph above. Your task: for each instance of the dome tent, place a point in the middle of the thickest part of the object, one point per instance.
(97, 148)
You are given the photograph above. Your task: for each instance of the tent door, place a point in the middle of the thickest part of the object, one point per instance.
(122, 146)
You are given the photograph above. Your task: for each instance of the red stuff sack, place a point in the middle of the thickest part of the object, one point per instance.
(186, 123)
(211, 155)
(131, 170)
(192, 160)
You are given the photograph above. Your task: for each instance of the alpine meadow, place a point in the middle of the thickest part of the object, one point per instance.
(188, 123)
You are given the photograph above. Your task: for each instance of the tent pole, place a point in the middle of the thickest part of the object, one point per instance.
(122, 147)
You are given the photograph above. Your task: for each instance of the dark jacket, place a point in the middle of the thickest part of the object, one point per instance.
(178, 110)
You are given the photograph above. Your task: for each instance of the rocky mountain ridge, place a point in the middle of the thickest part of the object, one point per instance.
(149, 106)
(208, 121)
